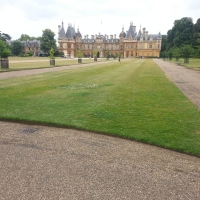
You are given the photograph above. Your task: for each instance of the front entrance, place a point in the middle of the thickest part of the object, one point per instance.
(98, 55)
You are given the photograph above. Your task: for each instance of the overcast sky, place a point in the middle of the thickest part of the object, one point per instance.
(91, 16)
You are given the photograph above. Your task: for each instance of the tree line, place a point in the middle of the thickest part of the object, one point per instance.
(47, 42)
(183, 40)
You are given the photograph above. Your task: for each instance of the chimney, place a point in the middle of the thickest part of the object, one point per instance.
(144, 29)
(114, 36)
(146, 35)
(59, 28)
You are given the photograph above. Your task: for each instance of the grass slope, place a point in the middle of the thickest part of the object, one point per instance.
(133, 99)
(194, 63)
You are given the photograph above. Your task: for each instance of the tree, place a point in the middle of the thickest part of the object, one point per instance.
(79, 54)
(39, 38)
(95, 52)
(24, 37)
(51, 53)
(170, 54)
(181, 33)
(164, 43)
(196, 32)
(107, 54)
(16, 48)
(176, 53)
(4, 36)
(186, 52)
(47, 41)
(4, 51)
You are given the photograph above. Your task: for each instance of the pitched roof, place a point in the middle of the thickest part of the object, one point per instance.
(131, 32)
(70, 34)
(62, 33)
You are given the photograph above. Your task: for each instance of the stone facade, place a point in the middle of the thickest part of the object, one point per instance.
(29, 46)
(130, 44)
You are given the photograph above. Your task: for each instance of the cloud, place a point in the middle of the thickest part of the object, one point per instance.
(33, 16)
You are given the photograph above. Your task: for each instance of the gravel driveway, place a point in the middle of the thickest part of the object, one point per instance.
(187, 80)
(38, 162)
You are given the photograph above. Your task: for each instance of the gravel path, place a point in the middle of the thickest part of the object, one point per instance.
(187, 80)
(38, 162)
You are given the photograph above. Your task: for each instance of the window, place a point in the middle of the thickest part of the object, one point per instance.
(69, 46)
(150, 45)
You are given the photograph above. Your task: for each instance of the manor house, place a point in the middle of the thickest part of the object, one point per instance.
(130, 44)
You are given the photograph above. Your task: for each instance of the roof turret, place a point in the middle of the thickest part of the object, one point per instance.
(122, 34)
(78, 34)
(70, 34)
(131, 32)
(62, 32)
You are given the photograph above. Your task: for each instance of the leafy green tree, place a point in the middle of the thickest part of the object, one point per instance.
(47, 41)
(181, 33)
(51, 53)
(24, 37)
(176, 53)
(196, 32)
(38, 38)
(164, 43)
(107, 54)
(95, 52)
(4, 51)
(4, 36)
(16, 48)
(79, 54)
(170, 54)
(186, 52)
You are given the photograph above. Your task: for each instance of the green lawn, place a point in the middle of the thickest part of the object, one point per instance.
(17, 63)
(133, 100)
(194, 63)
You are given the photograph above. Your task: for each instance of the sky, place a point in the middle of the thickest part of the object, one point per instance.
(92, 17)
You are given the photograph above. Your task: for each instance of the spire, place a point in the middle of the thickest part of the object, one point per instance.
(62, 23)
